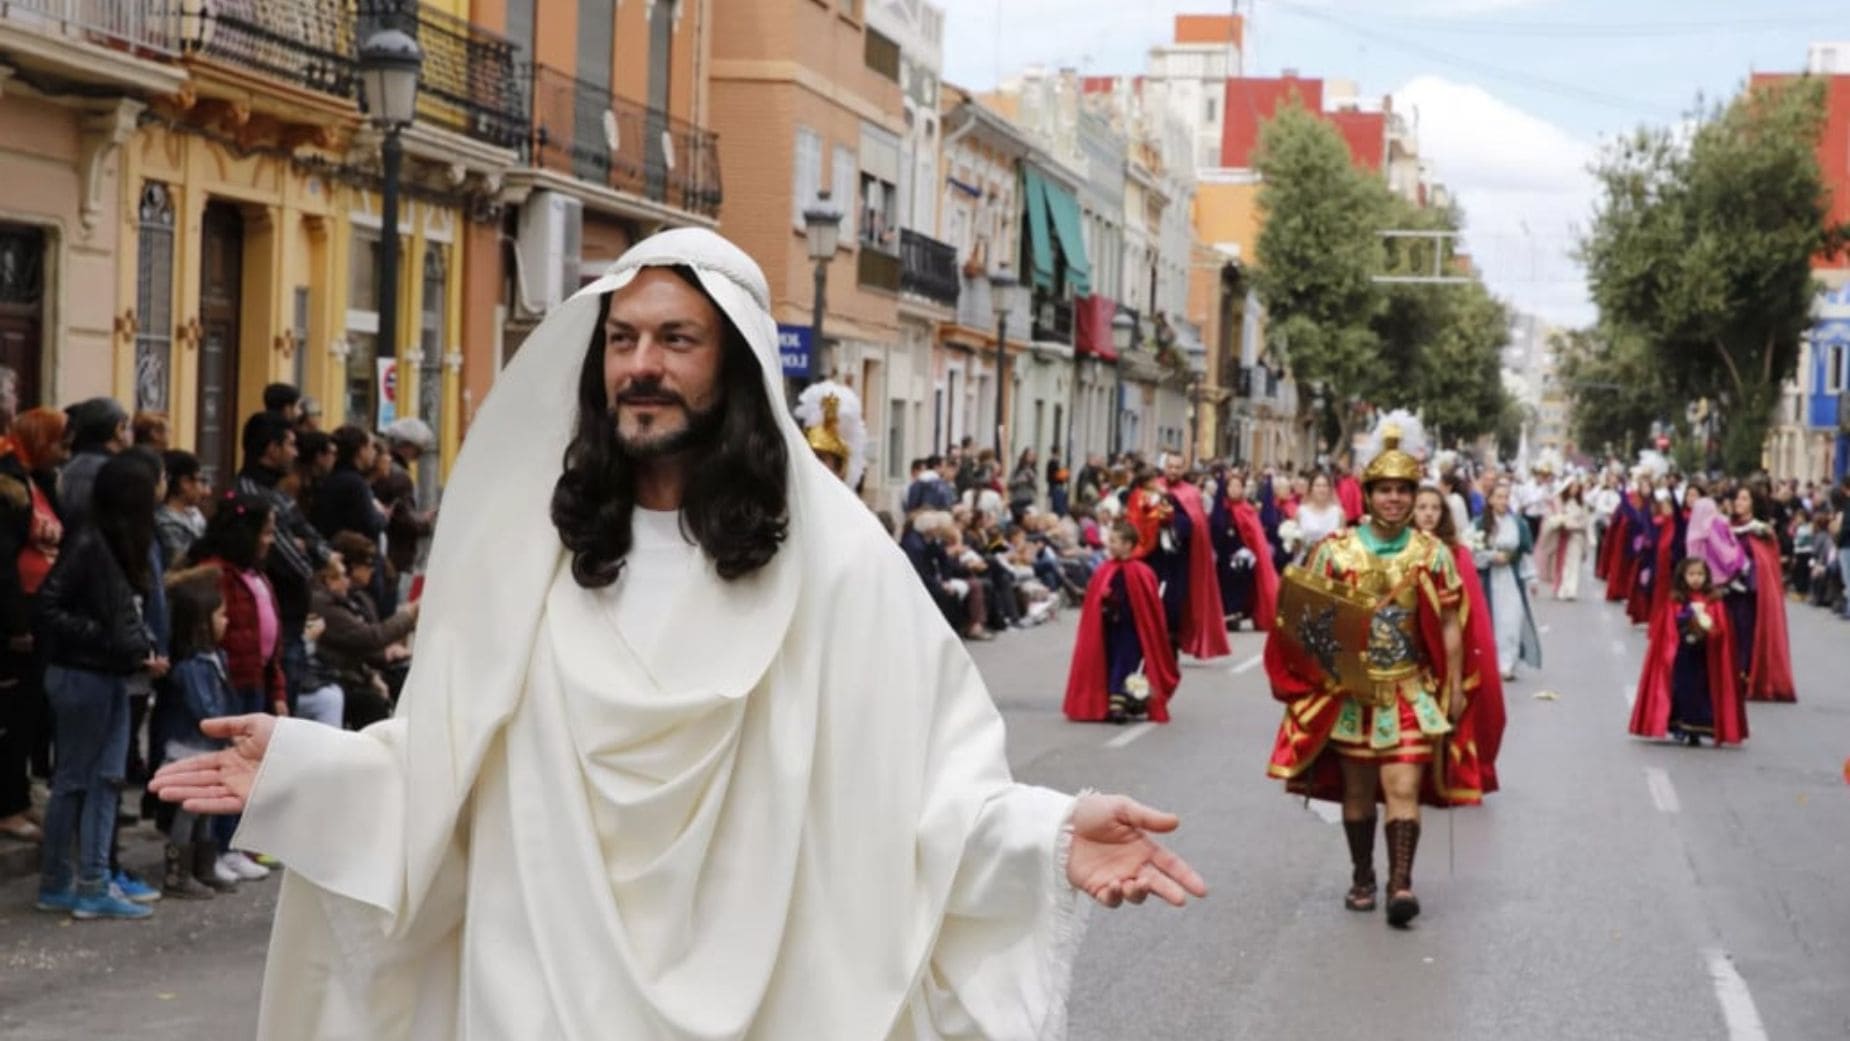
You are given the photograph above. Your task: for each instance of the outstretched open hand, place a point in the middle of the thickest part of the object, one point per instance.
(218, 782)
(1113, 858)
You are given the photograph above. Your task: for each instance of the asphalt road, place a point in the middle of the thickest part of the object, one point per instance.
(1616, 889)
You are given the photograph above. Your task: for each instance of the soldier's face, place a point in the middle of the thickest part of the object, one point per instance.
(1391, 502)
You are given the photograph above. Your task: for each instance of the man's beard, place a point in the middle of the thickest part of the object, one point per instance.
(699, 428)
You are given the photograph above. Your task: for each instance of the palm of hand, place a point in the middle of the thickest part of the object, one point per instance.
(218, 782)
(1113, 859)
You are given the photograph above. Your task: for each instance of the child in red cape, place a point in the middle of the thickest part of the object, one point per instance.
(1123, 663)
(1688, 689)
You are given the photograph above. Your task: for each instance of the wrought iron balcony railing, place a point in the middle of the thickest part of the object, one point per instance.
(1053, 319)
(585, 130)
(875, 268)
(306, 43)
(927, 267)
(142, 27)
(471, 81)
(469, 84)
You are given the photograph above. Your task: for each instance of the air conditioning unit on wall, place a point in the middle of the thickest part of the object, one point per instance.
(550, 241)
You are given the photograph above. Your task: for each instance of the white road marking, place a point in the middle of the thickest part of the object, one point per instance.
(1249, 664)
(1738, 1009)
(1546, 629)
(1330, 812)
(1663, 793)
(1130, 734)
(1629, 692)
(1618, 646)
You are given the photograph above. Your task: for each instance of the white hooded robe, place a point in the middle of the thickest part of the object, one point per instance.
(789, 818)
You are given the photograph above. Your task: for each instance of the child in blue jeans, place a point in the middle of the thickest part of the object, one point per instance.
(199, 689)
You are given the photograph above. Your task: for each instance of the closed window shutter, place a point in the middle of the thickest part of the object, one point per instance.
(844, 191)
(808, 174)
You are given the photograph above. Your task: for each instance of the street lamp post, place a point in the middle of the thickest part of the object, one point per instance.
(1000, 282)
(822, 231)
(390, 63)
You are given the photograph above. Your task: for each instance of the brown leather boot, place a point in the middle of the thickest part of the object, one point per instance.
(1361, 835)
(1403, 838)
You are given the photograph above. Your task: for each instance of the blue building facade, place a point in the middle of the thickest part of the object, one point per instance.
(1827, 398)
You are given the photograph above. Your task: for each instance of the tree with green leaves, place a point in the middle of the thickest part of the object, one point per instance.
(1318, 251)
(1434, 349)
(1702, 246)
(1617, 390)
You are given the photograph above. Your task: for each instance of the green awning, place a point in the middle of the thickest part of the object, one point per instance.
(1071, 231)
(1040, 243)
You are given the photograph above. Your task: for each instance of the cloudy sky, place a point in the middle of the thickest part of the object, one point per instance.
(1513, 97)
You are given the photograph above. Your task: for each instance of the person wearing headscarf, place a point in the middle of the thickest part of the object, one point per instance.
(686, 752)
(1763, 648)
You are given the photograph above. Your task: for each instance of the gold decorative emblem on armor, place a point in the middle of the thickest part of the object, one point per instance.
(1328, 623)
(1360, 640)
(1390, 639)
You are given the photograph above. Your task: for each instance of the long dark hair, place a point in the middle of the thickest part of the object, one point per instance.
(736, 506)
(192, 597)
(234, 532)
(1447, 528)
(123, 511)
(1679, 586)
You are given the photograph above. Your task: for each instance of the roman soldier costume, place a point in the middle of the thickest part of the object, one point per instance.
(1358, 657)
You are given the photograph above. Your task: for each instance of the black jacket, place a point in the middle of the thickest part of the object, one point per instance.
(87, 613)
(345, 503)
(15, 533)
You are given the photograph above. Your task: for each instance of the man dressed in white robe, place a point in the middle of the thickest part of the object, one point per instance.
(687, 753)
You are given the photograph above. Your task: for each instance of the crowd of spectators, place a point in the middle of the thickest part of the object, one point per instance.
(141, 593)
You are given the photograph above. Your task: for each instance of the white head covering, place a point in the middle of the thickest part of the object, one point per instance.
(933, 726)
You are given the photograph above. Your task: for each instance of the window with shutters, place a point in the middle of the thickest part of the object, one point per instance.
(808, 174)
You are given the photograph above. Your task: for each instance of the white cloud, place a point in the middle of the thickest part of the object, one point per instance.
(1524, 185)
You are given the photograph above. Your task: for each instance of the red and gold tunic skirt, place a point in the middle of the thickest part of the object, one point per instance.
(1398, 716)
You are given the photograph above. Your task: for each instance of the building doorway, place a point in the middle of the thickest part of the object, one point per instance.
(22, 307)
(221, 280)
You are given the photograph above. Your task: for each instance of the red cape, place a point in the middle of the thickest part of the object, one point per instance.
(1087, 700)
(1643, 604)
(1769, 678)
(1485, 715)
(1349, 493)
(1603, 559)
(1301, 756)
(1651, 709)
(1612, 553)
(1265, 574)
(1204, 625)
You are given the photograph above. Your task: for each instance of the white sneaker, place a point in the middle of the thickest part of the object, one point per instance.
(243, 867)
(221, 869)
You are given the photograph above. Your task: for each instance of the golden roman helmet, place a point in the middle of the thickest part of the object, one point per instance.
(1391, 463)
(825, 437)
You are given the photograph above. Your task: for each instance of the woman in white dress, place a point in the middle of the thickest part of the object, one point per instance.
(1320, 515)
(1569, 525)
(1502, 548)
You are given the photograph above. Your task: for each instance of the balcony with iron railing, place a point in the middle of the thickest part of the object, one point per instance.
(469, 82)
(586, 131)
(144, 28)
(875, 268)
(927, 267)
(1053, 318)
